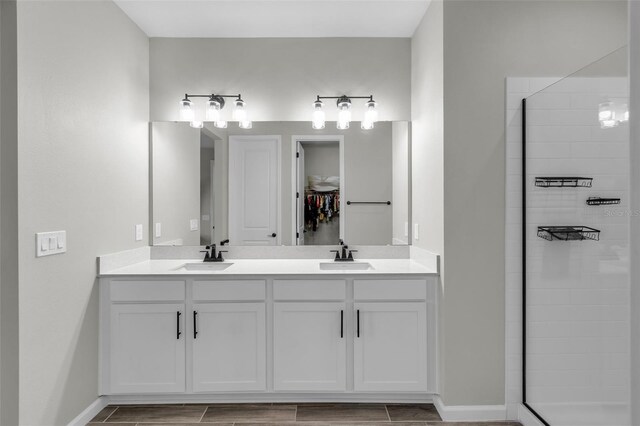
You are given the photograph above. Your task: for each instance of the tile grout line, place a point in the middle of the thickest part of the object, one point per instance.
(295, 417)
(109, 416)
(205, 412)
(387, 411)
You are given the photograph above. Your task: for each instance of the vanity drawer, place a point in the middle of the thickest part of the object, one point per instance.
(147, 291)
(389, 289)
(229, 290)
(309, 289)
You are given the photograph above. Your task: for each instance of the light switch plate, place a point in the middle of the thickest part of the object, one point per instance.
(193, 223)
(139, 232)
(416, 231)
(49, 243)
(158, 229)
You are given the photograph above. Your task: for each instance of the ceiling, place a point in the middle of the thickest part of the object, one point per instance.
(282, 18)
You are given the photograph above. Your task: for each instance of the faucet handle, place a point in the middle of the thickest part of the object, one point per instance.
(220, 254)
(337, 252)
(207, 255)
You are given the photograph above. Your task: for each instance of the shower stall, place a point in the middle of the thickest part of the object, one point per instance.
(575, 273)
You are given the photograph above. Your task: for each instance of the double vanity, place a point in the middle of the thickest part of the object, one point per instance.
(286, 329)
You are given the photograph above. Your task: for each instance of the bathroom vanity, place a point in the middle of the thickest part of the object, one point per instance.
(268, 330)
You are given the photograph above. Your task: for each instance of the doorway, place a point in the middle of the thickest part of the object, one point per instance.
(318, 190)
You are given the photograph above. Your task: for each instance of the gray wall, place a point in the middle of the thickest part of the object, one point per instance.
(280, 78)
(321, 160)
(484, 42)
(82, 167)
(9, 342)
(634, 45)
(176, 182)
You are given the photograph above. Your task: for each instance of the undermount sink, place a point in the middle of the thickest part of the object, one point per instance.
(345, 266)
(207, 266)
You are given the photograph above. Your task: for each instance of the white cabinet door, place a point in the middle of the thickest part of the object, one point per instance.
(229, 347)
(390, 350)
(309, 346)
(147, 348)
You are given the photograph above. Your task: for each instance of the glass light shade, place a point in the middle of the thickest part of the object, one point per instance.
(622, 113)
(186, 110)
(606, 111)
(246, 124)
(213, 110)
(196, 124)
(220, 124)
(318, 117)
(371, 113)
(240, 112)
(608, 124)
(366, 125)
(344, 117)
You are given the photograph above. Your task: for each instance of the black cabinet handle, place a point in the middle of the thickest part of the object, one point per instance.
(195, 324)
(178, 332)
(341, 324)
(358, 322)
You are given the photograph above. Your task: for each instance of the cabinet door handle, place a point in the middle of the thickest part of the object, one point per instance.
(341, 324)
(178, 332)
(358, 322)
(195, 324)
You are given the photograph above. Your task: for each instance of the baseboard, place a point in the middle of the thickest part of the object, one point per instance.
(90, 412)
(527, 418)
(469, 413)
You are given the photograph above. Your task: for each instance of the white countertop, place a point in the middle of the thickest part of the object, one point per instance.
(242, 267)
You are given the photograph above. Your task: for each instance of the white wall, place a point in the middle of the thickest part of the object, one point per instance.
(9, 350)
(280, 78)
(484, 42)
(634, 73)
(176, 182)
(401, 170)
(82, 167)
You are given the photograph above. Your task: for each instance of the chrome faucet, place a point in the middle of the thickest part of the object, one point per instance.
(344, 254)
(212, 256)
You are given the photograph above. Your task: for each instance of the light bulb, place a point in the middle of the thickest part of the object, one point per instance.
(196, 124)
(318, 117)
(220, 124)
(371, 113)
(186, 110)
(213, 110)
(246, 124)
(240, 112)
(344, 113)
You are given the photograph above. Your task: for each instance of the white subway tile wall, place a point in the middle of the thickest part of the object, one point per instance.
(578, 291)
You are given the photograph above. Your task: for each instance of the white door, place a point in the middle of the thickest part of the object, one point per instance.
(390, 351)
(302, 180)
(147, 348)
(309, 346)
(229, 347)
(253, 190)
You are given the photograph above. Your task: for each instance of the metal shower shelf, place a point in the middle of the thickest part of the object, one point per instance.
(599, 201)
(568, 233)
(559, 182)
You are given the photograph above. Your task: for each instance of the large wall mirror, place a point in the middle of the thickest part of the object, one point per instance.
(280, 183)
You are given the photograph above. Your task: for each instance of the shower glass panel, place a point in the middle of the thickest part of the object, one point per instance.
(576, 245)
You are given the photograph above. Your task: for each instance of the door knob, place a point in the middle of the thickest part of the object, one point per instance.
(272, 235)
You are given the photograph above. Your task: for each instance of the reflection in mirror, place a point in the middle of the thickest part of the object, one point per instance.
(280, 183)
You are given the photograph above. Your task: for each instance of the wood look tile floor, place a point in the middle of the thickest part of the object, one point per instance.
(309, 414)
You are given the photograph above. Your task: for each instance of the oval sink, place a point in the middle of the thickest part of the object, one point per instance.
(345, 266)
(207, 266)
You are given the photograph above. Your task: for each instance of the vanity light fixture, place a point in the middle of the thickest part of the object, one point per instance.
(213, 111)
(344, 112)
(612, 113)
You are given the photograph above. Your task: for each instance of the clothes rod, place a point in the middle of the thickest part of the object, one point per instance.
(388, 203)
